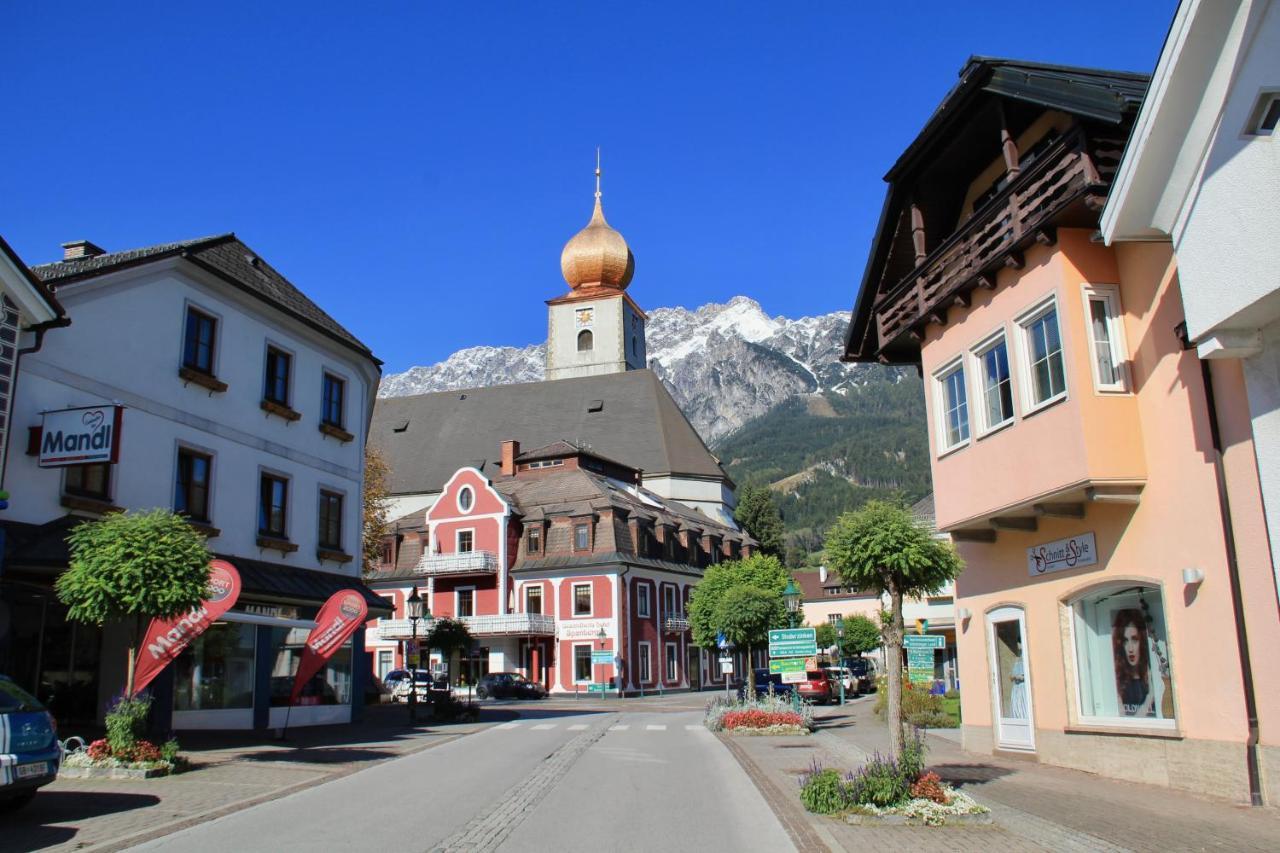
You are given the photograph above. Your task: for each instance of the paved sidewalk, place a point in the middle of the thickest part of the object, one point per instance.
(232, 771)
(1034, 806)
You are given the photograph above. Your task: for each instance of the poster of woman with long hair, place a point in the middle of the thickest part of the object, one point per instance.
(1130, 646)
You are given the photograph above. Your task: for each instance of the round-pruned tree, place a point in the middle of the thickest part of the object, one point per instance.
(861, 635)
(449, 636)
(763, 572)
(744, 614)
(133, 567)
(883, 548)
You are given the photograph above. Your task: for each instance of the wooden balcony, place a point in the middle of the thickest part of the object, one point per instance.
(1073, 173)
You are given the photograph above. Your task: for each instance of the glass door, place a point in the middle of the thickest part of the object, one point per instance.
(1010, 679)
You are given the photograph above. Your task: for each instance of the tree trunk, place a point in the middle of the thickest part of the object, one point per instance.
(751, 677)
(135, 639)
(893, 650)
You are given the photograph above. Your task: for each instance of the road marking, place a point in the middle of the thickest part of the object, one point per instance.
(508, 726)
(621, 728)
(542, 727)
(692, 728)
(578, 727)
(656, 728)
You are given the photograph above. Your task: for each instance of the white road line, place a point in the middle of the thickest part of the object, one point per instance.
(692, 728)
(578, 727)
(508, 726)
(542, 727)
(619, 728)
(655, 728)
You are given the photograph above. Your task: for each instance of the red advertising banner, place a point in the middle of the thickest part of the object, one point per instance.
(166, 638)
(342, 614)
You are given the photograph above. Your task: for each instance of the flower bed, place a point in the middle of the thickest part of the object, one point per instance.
(123, 753)
(764, 716)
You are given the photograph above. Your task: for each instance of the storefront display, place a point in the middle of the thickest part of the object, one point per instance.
(1122, 656)
(216, 671)
(330, 686)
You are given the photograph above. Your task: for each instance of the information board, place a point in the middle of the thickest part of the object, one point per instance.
(793, 642)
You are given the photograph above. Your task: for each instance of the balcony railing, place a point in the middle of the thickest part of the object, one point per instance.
(466, 563)
(510, 624)
(675, 623)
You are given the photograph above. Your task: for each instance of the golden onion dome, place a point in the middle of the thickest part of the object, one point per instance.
(597, 256)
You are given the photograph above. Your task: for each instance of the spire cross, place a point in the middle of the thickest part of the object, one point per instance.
(597, 171)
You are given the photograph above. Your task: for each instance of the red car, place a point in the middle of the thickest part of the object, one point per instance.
(817, 687)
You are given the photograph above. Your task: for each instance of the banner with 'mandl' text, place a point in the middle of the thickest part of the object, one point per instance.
(166, 638)
(342, 614)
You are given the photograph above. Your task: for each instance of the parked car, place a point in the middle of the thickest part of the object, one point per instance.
(864, 673)
(763, 681)
(424, 683)
(508, 685)
(31, 753)
(842, 674)
(816, 687)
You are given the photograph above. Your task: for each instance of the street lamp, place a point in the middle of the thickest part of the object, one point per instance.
(413, 609)
(792, 596)
(601, 636)
(840, 654)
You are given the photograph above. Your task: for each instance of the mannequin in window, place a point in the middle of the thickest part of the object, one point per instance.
(1132, 652)
(1018, 690)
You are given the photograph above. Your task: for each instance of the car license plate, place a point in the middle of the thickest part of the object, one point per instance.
(26, 771)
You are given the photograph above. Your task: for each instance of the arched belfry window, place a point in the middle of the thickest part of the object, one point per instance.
(585, 343)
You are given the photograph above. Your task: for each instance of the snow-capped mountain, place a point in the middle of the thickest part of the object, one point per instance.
(724, 363)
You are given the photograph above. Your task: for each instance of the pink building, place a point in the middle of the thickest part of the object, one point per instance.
(1098, 478)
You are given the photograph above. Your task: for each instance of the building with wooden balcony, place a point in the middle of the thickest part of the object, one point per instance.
(1097, 477)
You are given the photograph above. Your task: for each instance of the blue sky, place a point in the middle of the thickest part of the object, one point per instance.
(416, 167)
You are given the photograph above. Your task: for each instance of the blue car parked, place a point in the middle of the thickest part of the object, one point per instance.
(765, 680)
(30, 753)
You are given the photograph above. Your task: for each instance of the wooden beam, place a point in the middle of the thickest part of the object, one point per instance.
(1047, 236)
(1014, 522)
(939, 316)
(1014, 261)
(986, 280)
(987, 535)
(1007, 146)
(964, 299)
(917, 233)
(1060, 510)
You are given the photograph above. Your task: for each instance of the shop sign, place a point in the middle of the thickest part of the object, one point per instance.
(80, 436)
(275, 611)
(582, 629)
(1063, 554)
(166, 638)
(344, 612)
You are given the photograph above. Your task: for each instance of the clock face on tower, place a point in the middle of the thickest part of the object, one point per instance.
(584, 317)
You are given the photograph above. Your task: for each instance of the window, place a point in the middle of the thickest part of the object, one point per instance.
(332, 685)
(954, 407)
(1106, 338)
(582, 663)
(644, 664)
(533, 541)
(465, 602)
(466, 499)
(669, 601)
(330, 520)
(386, 663)
(1266, 115)
(642, 601)
(1044, 356)
(217, 670)
(197, 345)
(582, 537)
(635, 345)
(466, 541)
(273, 499)
(388, 551)
(191, 496)
(585, 341)
(673, 660)
(1122, 657)
(533, 599)
(89, 481)
(276, 386)
(582, 599)
(332, 393)
(835, 618)
(997, 385)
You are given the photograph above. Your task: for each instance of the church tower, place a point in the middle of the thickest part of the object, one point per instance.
(595, 328)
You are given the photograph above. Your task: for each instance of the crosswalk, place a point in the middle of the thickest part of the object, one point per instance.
(529, 725)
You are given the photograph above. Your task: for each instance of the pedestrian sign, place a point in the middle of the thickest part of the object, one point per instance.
(793, 642)
(722, 641)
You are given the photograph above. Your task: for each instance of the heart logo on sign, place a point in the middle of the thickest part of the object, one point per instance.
(93, 419)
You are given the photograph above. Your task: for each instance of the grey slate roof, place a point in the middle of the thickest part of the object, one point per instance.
(39, 286)
(224, 256)
(425, 438)
(922, 511)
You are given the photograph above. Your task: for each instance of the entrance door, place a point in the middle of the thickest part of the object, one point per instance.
(1010, 679)
(694, 668)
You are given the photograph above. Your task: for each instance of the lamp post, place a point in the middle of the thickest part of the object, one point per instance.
(601, 636)
(413, 609)
(792, 596)
(840, 654)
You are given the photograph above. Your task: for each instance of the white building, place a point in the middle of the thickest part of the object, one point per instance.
(1202, 169)
(242, 405)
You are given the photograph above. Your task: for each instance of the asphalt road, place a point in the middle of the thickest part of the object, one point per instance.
(553, 781)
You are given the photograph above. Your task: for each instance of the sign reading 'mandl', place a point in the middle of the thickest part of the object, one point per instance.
(80, 436)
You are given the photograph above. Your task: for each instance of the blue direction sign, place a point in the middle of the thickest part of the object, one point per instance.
(793, 643)
(924, 641)
(605, 656)
(597, 688)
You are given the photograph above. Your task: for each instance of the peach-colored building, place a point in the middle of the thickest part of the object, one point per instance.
(1097, 477)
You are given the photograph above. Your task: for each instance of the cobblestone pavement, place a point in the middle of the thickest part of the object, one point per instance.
(1033, 806)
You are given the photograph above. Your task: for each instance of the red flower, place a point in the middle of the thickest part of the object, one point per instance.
(929, 787)
(99, 749)
(758, 719)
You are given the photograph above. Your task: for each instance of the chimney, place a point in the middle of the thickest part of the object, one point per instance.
(822, 574)
(510, 450)
(77, 249)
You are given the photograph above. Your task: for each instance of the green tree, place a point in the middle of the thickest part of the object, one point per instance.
(745, 614)
(882, 547)
(861, 635)
(132, 567)
(760, 571)
(826, 635)
(375, 526)
(449, 636)
(757, 513)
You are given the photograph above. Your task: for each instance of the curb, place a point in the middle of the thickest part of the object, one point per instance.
(793, 819)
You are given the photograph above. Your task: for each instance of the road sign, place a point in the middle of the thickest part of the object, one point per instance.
(920, 659)
(722, 641)
(602, 657)
(784, 665)
(726, 666)
(794, 677)
(793, 642)
(924, 641)
(597, 688)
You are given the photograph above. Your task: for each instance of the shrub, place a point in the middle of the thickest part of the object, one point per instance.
(169, 751)
(920, 708)
(911, 761)
(879, 783)
(99, 749)
(823, 791)
(126, 723)
(929, 787)
(933, 720)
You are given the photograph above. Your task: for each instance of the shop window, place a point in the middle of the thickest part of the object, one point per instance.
(198, 342)
(997, 385)
(216, 671)
(582, 599)
(582, 663)
(276, 386)
(1122, 657)
(330, 686)
(333, 394)
(1042, 344)
(642, 601)
(273, 502)
(89, 481)
(330, 520)
(533, 599)
(953, 402)
(645, 664)
(1106, 338)
(191, 493)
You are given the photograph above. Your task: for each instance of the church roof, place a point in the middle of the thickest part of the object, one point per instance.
(629, 417)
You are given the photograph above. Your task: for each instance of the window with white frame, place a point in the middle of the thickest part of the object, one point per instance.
(465, 602)
(582, 599)
(466, 541)
(834, 618)
(1106, 338)
(1042, 346)
(673, 661)
(533, 599)
(669, 601)
(645, 664)
(642, 600)
(582, 663)
(1123, 673)
(996, 383)
(953, 406)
